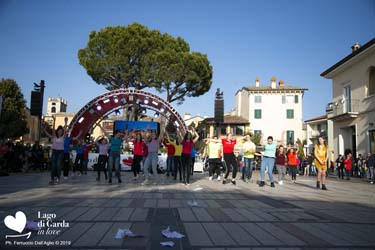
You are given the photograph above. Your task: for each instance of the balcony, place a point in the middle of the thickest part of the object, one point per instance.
(343, 109)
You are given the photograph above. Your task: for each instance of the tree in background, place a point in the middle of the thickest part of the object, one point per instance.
(134, 56)
(13, 122)
(300, 146)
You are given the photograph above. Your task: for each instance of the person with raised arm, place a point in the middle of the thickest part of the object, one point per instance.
(115, 143)
(249, 149)
(103, 147)
(292, 156)
(268, 159)
(187, 147)
(67, 154)
(58, 138)
(153, 145)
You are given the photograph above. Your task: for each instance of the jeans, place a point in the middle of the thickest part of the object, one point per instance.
(78, 163)
(177, 166)
(114, 161)
(348, 173)
(248, 167)
(152, 159)
(281, 170)
(267, 162)
(57, 158)
(66, 166)
(170, 164)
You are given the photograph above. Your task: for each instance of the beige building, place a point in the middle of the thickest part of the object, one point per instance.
(351, 114)
(235, 125)
(315, 127)
(272, 109)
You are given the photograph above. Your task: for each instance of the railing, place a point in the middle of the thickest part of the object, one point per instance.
(342, 107)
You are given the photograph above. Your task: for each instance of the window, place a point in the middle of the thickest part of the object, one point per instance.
(53, 104)
(53, 110)
(290, 137)
(371, 81)
(258, 114)
(290, 114)
(258, 99)
(289, 99)
(295, 98)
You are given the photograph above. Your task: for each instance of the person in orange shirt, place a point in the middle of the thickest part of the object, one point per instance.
(292, 162)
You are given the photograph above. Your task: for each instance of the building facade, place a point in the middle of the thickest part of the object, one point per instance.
(316, 127)
(351, 114)
(272, 109)
(56, 105)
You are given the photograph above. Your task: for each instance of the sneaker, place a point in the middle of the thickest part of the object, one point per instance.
(57, 180)
(272, 185)
(110, 181)
(210, 178)
(219, 178)
(318, 185)
(324, 187)
(371, 182)
(119, 180)
(280, 182)
(261, 184)
(247, 180)
(233, 182)
(224, 181)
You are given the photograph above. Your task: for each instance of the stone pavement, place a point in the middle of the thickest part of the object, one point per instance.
(213, 216)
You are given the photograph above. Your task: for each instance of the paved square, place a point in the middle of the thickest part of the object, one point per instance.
(294, 216)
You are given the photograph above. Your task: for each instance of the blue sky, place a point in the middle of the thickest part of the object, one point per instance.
(293, 40)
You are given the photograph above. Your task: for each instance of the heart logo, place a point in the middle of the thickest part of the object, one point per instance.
(17, 223)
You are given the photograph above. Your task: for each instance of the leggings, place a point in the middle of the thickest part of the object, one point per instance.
(136, 166)
(186, 167)
(230, 160)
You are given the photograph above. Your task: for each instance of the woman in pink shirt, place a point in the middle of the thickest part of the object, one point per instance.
(187, 147)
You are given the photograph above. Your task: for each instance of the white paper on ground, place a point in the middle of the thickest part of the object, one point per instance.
(193, 203)
(171, 235)
(121, 233)
(167, 243)
(197, 189)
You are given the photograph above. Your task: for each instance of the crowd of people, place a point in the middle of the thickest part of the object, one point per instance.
(221, 156)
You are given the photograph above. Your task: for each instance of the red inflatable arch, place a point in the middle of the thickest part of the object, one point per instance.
(107, 103)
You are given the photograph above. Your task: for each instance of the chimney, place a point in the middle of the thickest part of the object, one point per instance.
(273, 82)
(281, 83)
(257, 82)
(356, 47)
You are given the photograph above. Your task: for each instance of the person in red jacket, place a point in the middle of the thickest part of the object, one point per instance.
(348, 164)
(170, 156)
